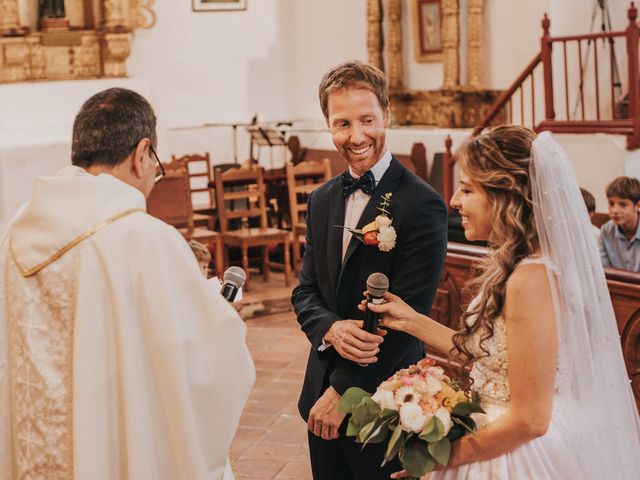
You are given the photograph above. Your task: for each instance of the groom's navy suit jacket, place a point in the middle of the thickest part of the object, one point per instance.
(330, 290)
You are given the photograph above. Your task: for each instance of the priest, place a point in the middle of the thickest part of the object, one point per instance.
(117, 359)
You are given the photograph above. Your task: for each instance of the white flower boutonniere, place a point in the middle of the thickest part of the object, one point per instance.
(380, 232)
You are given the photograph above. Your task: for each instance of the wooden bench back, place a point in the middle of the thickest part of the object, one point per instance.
(240, 194)
(170, 199)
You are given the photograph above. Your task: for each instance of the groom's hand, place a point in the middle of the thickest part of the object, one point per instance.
(353, 343)
(324, 417)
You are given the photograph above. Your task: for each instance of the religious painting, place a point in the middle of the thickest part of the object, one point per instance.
(213, 5)
(427, 23)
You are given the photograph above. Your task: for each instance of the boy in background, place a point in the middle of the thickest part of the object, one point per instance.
(203, 255)
(590, 203)
(620, 236)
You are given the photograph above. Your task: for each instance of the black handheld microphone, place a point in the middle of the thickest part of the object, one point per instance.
(233, 280)
(377, 286)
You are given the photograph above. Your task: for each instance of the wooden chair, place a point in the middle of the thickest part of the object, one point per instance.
(203, 217)
(302, 179)
(247, 185)
(200, 174)
(170, 201)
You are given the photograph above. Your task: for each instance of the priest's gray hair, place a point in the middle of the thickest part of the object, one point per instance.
(109, 126)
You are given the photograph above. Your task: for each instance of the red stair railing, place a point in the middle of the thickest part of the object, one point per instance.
(511, 106)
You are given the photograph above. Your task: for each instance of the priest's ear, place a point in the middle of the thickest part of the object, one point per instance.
(140, 159)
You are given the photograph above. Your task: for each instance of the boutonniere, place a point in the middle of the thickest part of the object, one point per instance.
(380, 232)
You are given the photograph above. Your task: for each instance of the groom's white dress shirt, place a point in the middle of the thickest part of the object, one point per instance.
(357, 201)
(354, 206)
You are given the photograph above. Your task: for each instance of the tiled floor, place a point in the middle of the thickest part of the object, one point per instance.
(271, 442)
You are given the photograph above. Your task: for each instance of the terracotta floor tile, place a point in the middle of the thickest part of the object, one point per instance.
(271, 442)
(285, 437)
(259, 406)
(273, 451)
(288, 422)
(264, 468)
(297, 470)
(257, 420)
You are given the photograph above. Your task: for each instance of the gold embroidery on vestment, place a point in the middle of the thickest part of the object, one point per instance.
(41, 318)
(28, 272)
(41, 332)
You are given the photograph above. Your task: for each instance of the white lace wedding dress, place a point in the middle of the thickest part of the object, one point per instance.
(550, 457)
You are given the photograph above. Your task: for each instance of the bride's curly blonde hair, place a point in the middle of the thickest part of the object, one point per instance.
(498, 161)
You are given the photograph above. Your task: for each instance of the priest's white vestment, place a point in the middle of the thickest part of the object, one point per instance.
(117, 358)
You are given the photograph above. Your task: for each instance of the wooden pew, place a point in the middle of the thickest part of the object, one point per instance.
(624, 288)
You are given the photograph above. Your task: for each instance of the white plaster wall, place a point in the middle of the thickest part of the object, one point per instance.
(214, 66)
(511, 35)
(222, 67)
(322, 34)
(597, 160)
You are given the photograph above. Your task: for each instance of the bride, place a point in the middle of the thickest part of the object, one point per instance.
(541, 332)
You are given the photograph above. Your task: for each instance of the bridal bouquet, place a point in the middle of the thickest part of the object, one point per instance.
(420, 408)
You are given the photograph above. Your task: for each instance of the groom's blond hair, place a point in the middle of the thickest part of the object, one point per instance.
(353, 74)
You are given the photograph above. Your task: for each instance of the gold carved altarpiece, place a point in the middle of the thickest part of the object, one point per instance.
(454, 105)
(96, 45)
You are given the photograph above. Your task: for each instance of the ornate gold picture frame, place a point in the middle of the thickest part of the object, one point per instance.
(427, 30)
(215, 5)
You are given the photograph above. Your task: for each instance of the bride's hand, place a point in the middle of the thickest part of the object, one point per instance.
(397, 315)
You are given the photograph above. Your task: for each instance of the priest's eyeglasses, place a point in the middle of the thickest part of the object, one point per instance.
(160, 173)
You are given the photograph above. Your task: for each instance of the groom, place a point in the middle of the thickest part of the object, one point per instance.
(355, 103)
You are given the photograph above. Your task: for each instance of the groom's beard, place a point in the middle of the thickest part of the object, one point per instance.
(360, 164)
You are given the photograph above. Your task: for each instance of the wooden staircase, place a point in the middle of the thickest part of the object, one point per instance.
(540, 98)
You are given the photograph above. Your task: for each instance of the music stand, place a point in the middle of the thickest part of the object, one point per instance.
(265, 137)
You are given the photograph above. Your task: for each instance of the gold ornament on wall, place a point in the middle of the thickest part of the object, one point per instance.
(94, 44)
(427, 30)
(454, 104)
(374, 33)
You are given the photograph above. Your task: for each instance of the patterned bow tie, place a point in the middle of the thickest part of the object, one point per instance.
(366, 183)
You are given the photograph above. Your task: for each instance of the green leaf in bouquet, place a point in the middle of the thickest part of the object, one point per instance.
(366, 411)
(365, 431)
(465, 422)
(351, 398)
(436, 433)
(396, 442)
(352, 428)
(416, 459)
(467, 408)
(428, 428)
(387, 413)
(379, 431)
(458, 431)
(440, 451)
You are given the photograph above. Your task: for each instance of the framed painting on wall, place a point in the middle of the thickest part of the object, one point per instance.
(427, 25)
(214, 5)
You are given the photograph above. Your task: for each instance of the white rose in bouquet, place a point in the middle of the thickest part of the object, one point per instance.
(433, 386)
(412, 419)
(385, 399)
(445, 417)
